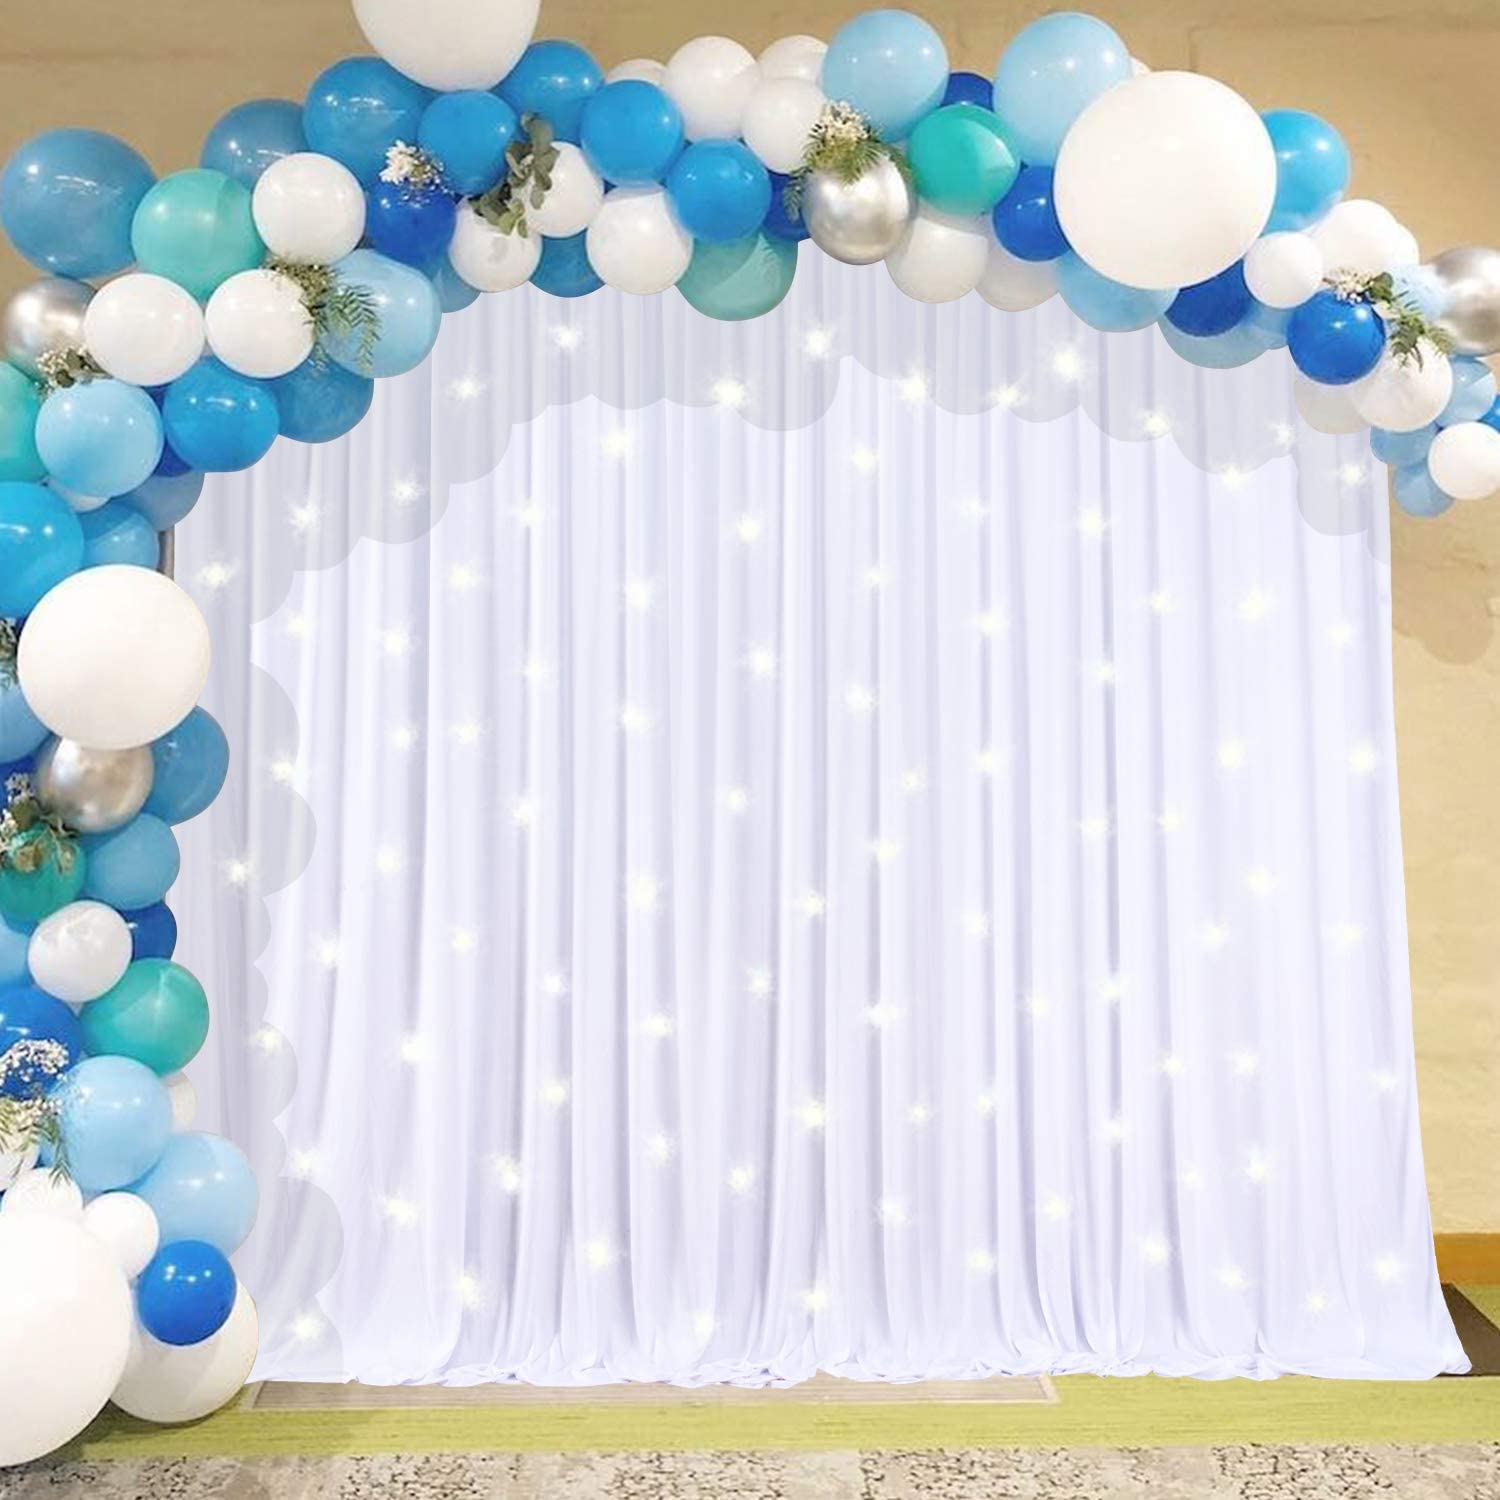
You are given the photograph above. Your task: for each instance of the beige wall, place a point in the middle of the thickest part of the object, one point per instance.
(1415, 87)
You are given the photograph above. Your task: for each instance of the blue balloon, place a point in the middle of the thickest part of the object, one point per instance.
(1104, 304)
(67, 199)
(28, 1014)
(218, 420)
(185, 1293)
(358, 109)
(719, 191)
(1417, 495)
(410, 316)
(1491, 418)
(1269, 322)
(1025, 219)
(153, 931)
(1219, 351)
(320, 401)
(165, 500)
(21, 732)
(14, 944)
(891, 66)
(454, 293)
(969, 88)
(1050, 73)
(99, 438)
(1312, 167)
(1423, 288)
(409, 224)
(554, 80)
(116, 1119)
(778, 222)
(1473, 392)
(41, 543)
(564, 269)
(631, 132)
(133, 866)
(468, 132)
(118, 533)
(1212, 306)
(1400, 450)
(170, 465)
(251, 137)
(191, 762)
(1335, 341)
(201, 1189)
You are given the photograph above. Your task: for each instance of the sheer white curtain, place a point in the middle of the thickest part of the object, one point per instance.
(866, 841)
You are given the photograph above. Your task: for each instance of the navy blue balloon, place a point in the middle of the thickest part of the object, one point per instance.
(564, 269)
(170, 465)
(1491, 418)
(778, 222)
(153, 931)
(409, 224)
(1335, 341)
(1212, 306)
(186, 1292)
(251, 137)
(118, 533)
(468, 132)
(191, 762)
(631, 132)
(358, 109)
(28, 1014)
(220, 421)
(1026, 221)
(969, 88)
(554, 80)
(719, 191)
(320, 401)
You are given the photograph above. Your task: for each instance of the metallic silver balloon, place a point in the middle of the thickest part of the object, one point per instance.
(1471, 277)
(46, 315)
(859, 222)
(93, 791)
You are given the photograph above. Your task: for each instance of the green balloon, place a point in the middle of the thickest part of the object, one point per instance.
(961, 159)
(157, 1014)
(20, 401)
(28, 896)
(195, 228)
(741, 278)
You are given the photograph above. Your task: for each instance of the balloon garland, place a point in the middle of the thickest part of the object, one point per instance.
(183, 324)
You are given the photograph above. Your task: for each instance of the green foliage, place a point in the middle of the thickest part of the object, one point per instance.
(1406, 328)
(530, 160)
(63, 368)
(843, 144)
(30, 837)
(31, 1118)
(334, 307)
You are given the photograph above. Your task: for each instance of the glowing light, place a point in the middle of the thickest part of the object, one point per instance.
(640, 594)
(976, 923)
(659, 1027)
(298, 625)
(812, 904)
(876, 577)
(981, 1262)
(761, 661)
(1232, 754)
(407, 491)
(600, 1254)
(643, 893)
(634, 719)
(989, 761)
(1104, 673)
(760, 983)
(1244, 1064)
(882, 1015)
(1231, 1278)
(1161, 602)
(1232, 477)
(815, 1299)
(1254, 606)
(302, 1164)
(400, 1211)
(817, 343)
(865, 459)
(705, 1325)
(1283, 434)
(462, 940)
(618, 444)
(892, 1213)
(214, 576)
(989, 623)
(1091, 523)
(1257, 1166)
(413, 1049)
(1363, 758)
(554, 1093)
(529, 515)
(884, 850)
(1172, 1066)
(736, 799)
(919, 1115)
(284, 771)
(470, 1293)
(566, 337)
(555, 985)
(466, 388)
(974, 511)
(913, 388)
(466, 733)
(859, 699)
(523, 812)
(1115, 1131)
(464, 578)
(730, 393)
(266, 1040)
(1037, 1006)
(535, 671)
(1007, 397)
(327, 951)
(740, 1179)
(1155, 424)
(305, 517)
(1068, 364)
(1341, 634)
(507, 1174)
(397, 640)
(1351, 474)
(1054, 1208)
(660, 1147)
(1315, 1303)
(1259, 881)
(1386, 1081)
(914, 781)
(239, 872)
(748, 528)
(1169, 820)
(1388, 1269)
(1094, 828)
(1212, 936)
(306, 1327)
(813, 1115)
(1155, 1250)
(404, 736)
(1112, 989)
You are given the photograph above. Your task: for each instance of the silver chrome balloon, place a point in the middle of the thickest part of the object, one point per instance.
(1470, 276)
(93, 791)
(859, 222)
(41, 317)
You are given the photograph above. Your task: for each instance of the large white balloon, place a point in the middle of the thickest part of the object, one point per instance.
(794, 57)
(43, 1191)
(180, 1383)
(449, 44)
(1363, 236)
(1284, 269)
(1013, 284)
(309, 209)
(710, 80)
(941, 256)
(573, 199)
(127, 1224)
(635, 244)
(143, 329)
(80, 951)
(780, 114)
(1464, 460)
(1403, 395)
(1326, 408)
(259, 325)
(487, 257)
(113, 656)
(65, 1327)
(1165, 180)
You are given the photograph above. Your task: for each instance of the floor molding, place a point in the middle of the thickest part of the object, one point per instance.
(1468, 1258)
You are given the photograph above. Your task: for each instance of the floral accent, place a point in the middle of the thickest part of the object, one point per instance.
(10, 640)
(1408, 329)
(334, 306)
(31, 1118)
(529, 160)
(30, 836)
(411, 165)
(845, 145)
(62, 369)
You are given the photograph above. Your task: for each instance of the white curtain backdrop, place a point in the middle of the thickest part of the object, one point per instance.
(866, 841)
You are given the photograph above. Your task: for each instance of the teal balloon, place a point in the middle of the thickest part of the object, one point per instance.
(133, 866)
(740, 279)
(407, 305)
(41, 543)
(156, 1014)
(196, 228)
(202, 1188)
(117, 533)
(20, 406)
(1107, 305)
(102, 437)
(115, 1118)
(30, 896)
(960, 157)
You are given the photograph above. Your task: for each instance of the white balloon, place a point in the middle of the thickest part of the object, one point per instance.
(65, 1327)
(710, 80)
(127, 1224)
(635, 244)
(309, 209)
(80, 951)
(1464, 460)
(794, 57)
(449, 44)
(1363, 236)
(182, 1382)
(259, 325)
(941, 256)
(1284, 269)
(183, 1098)
(780, 114)
(1164, 180)
(1013, 284)
(487, 257)
(638, 70)
(573, 199)
(1137, 67)
(143, 329)
(1403, 395)
(14, 1163)
(113, 657)
(1326, 408)
(40, 1190)
(82, 504)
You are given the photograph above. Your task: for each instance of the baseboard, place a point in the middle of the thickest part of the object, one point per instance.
(1472, 1258)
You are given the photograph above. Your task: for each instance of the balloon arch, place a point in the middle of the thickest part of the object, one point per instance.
(314, 251)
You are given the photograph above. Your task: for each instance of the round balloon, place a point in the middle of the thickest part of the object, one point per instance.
(779, 118)
(28, 895)
(635, 243)
(1470, 279)
(1464, 461)
(165, 500)
(100, 438)
(1312, 168)
(719, 191)
(408, 223)
(1406, 394)
(185, 1293)
(1473, 391)
(202, 1188)
(219, 420)
(891, 66)
(253, 136)
(1335, 340)
(153, 931)
(309, 209)
(1213, 306)
(406, 304)
(570, 204)
(93, 791)
(191, 761)
(469, 132)
(1105, 304)
(859, 222)
(1285, 269)
(631, 132)
(155, 1013)
(941, 256)
(115, 533)
(144, 329)
(1361, 236)
(1025, 218)
(20, 406)
(743, 278)
(487, 257)
(710, 80)
(320, 401)
(196, 228)
(1400, 450)
(43, 1192)
(79, 952)
(41, 543)
(126, 1224)
(1013, 284)
(564, 269)
(553, 80)
(29, 1014)
(359, 108)
(449, 44)
(961, 159)
(44, 318)
(1417, 495)
(115, 1119)
(258, 325)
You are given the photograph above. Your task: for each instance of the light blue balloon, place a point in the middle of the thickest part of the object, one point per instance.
(1049, 74)
(1400, 450)
(409, 311)
(192, 761)
(891, 66)
(1473, 392)
(1220, 351)
(202, 1188)
(454, 293)
(251, 137)
(1104, 304)
(1417, 495)
(14, 944)
(116, 1119)
(132, 867)
(165, 499)
(1423, 288)
(1312, 167)
(99, 438)
(21, 732)
(118, 533)
(1269, 323)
